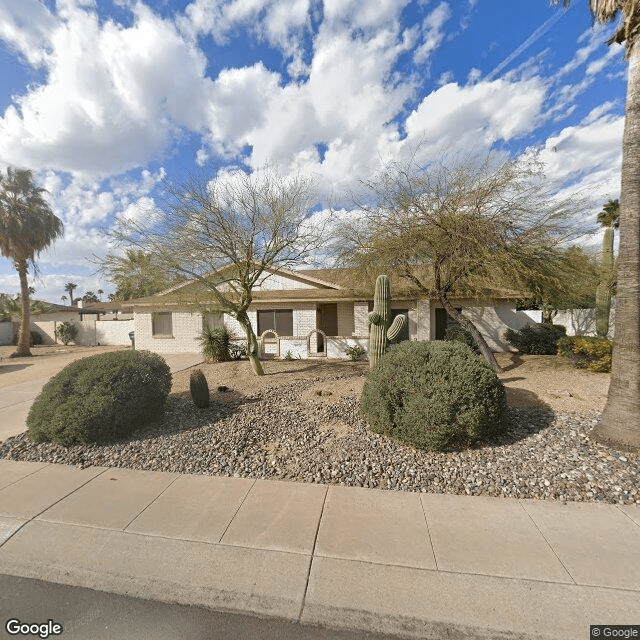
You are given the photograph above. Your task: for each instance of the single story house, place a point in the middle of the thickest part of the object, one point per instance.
(308, 314)
(93, 323)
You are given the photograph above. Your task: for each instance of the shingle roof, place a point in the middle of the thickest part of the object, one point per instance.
(352, 288)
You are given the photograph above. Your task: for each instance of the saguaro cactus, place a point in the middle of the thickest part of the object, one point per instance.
(603, 292)
(609, 219)
(379, 330)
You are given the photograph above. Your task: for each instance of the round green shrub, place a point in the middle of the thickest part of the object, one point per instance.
(460, 334)
(433, 394)
(100, 398)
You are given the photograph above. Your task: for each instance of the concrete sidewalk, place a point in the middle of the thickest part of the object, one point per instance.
(416, 565)
(16, 399)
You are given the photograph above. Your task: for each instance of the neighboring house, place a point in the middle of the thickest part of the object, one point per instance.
(94, 325)
(42, 323)
(309, 314)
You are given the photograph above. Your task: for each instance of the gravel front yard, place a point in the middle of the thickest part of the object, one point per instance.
(300, 422)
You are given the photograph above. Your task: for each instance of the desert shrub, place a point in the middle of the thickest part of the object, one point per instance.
(215, 343)
(538, 339)
(237, 351)
(67, 332)
(34, 338)
(460, 334)
(587, 352)
(356, 352)
(100, 398)
(433, 395)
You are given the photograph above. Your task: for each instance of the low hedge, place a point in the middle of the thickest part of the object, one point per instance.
(537, 339)
(433, 394)
(100, 398)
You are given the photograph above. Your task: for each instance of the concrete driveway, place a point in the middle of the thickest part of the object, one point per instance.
(22, 379)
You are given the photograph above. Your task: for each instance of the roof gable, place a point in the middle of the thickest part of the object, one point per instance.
(273, 279)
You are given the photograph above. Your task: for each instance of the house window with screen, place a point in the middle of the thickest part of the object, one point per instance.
(161, 325)
(278, 320)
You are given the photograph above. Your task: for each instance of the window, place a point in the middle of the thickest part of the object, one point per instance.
(161, 324)
(278, 320)
(214, 320)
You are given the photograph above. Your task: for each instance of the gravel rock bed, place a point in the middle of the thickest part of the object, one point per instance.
(277, 434)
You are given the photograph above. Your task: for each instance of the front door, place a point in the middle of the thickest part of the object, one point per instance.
(443, 322)
(327, 321)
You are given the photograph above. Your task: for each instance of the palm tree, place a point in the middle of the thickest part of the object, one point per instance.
(90, 296)
(12, 307)
(620, 421)
(69, 287)
(135, 274)
(27, 227)
(63, 298)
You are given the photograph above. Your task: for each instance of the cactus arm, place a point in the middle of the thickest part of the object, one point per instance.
(397, 326)
(374, 317)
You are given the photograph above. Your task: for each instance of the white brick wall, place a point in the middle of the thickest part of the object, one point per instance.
(360, 316)
(186, 327)
(114, 332)
(6, 332)
(336, 347)
(297, 347)
(581, 322)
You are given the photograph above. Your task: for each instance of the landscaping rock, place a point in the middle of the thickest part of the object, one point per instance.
(275, 433)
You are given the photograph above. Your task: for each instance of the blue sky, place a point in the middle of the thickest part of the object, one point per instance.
(104, 99)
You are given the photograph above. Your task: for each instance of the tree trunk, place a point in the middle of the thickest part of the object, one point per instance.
(24, 335)
(252, 343)
(477, 336)
(620, 421)
(547, 314)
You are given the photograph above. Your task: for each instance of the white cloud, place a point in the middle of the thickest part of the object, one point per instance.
(278, 22)
(239, 102)
(586, 159)
(475, 116)
(432, 33)
(108, 105)
(201, 157)
(614, 52)
(598, 112)
(25, 25)
(346, 104)
(445, 78)
(474, 75)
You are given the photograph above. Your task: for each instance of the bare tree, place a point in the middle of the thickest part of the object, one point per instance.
(226, 233)
(461, 228)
